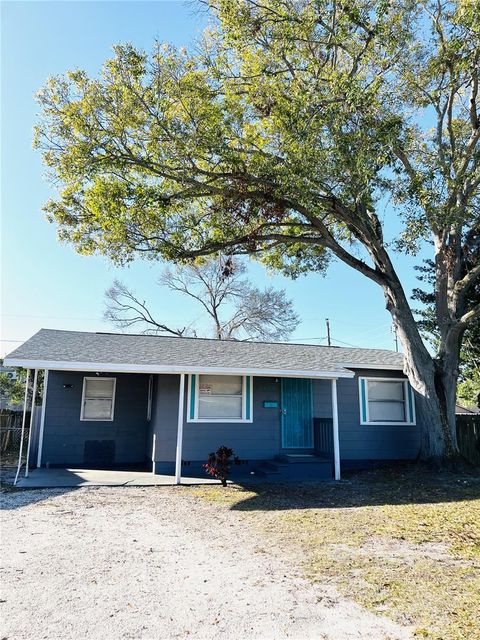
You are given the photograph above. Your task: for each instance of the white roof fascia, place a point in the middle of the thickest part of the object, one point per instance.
(359, 365)
(151, 368)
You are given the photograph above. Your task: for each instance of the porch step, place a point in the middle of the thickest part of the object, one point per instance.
(267, 469)
(300, 458)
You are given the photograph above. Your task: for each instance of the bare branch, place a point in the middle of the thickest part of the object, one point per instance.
(238, 309)
(124, 310)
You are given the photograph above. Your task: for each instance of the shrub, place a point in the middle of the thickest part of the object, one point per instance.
(219, 463)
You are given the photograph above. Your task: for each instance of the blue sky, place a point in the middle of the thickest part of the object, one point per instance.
(46, 284)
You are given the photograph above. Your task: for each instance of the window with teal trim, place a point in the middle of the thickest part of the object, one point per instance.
(220, 398)
(386, 401)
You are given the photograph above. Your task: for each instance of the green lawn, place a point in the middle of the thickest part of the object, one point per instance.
(405, 543)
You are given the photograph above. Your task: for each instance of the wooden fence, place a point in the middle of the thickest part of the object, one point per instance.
(468, 437)
(11, 429)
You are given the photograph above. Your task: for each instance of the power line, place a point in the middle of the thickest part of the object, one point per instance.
(19, 315)
(315, 338)
(355, 346)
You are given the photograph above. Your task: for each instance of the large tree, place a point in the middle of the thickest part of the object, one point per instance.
(468, 389)
(297, 131)
(236, 309)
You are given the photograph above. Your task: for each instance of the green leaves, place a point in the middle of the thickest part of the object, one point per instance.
(284, 129)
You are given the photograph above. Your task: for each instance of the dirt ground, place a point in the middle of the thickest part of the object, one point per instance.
(148, 563)
(402, 542)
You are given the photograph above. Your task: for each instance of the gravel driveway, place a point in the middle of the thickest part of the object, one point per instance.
(158, 563)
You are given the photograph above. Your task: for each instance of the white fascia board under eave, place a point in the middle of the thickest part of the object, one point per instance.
(378, 367)
(112, 367)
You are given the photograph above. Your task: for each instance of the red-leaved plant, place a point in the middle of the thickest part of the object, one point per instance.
(219, 462)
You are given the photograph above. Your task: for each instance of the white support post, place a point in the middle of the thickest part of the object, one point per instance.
(336, 441)
(32, 411)
(154, 449)
(25, 400)
(42, 419)
(181, 403)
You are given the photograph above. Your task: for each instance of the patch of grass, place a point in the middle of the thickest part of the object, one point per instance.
(404, 544)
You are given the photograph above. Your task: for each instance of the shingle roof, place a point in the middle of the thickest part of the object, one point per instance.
(55, 349)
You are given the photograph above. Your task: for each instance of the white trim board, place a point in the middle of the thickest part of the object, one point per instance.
(409, 401)
(238, 420)
(112, 367)
(378, 367)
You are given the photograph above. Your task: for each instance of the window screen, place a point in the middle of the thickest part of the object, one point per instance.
(386, 401)
(98, 398)
(220, 397)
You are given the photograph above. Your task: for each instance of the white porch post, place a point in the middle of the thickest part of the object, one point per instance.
(336, 442)
(25, 400)
(178, 458)
(42, 419)
(32, 411)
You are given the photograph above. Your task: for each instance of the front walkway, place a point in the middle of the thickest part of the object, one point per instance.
(59, 478)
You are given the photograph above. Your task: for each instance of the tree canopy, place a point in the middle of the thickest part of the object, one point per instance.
(289, 133)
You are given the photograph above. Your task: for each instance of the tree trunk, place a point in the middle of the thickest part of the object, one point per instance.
(438, 440)
(435, 380)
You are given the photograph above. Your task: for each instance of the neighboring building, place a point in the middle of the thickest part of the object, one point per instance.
(166, 402)
(5, 401)
(10, 372)
(469, 411)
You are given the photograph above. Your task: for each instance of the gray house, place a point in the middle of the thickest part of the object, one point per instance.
(164, 403)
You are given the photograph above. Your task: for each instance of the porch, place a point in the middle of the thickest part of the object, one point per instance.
(152, 426)
(62, 478)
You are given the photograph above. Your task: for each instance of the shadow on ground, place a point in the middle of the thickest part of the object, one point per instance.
(411, 485)
(12, 498)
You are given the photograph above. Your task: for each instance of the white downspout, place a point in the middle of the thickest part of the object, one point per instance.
(336, 441)
(32, 411)
(178, 458)
(42, 419)
(25, 400)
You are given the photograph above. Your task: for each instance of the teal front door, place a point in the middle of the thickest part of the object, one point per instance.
(297, 421)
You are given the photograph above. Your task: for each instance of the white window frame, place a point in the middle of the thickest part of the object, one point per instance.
(407, 394)
(241, 420)
(82, 419)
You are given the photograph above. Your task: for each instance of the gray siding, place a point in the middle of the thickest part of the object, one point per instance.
(257, 440)
(65, 434)
(322, 399)
(366, 442)
(136, 439)
(165, 416)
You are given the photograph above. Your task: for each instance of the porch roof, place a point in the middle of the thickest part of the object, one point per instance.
(83, 351)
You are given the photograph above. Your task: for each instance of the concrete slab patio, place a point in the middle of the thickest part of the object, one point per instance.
(60, 478)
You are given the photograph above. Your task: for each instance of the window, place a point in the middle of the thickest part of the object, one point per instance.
(98, 399)
(386, 401)
(218, 398)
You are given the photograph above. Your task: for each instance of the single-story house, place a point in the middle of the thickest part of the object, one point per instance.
(166, 402)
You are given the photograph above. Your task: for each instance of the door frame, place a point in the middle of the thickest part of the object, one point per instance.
(295, 450)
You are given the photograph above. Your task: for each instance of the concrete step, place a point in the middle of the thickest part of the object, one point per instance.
(300, 458)
(266, 469)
